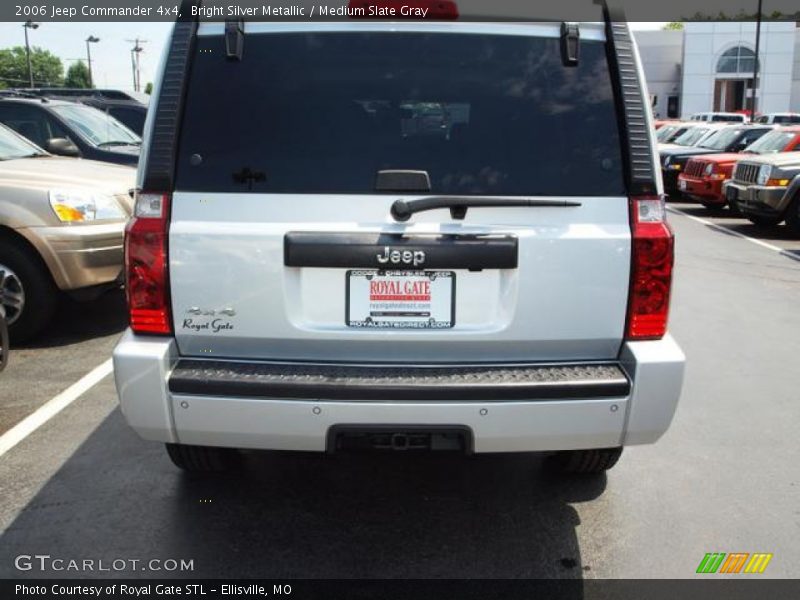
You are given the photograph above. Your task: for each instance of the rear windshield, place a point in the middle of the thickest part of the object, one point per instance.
(728, 118)
(786, 119)
(325, 112)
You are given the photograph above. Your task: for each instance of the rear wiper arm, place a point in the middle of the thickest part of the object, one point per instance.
(118, 143)
(458, 205)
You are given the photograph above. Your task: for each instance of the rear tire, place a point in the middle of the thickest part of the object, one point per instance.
(27, 292)
(793, 217)
(712, 206)
(762, 221)
(583, 462)
(203, 459)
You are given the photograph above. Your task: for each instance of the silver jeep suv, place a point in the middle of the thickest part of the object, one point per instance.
(399, 235)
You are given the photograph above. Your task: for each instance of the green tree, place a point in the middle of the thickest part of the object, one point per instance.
(78, 76)
(47, 68)
(148, 89)
(673, 26)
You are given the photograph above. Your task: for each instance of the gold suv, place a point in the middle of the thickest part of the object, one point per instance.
(62, 224)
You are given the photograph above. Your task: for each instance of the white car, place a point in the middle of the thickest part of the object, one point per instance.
(785, 118)
(311, 271)
(723, 117)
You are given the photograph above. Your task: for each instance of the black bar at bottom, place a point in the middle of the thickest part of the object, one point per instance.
(702, 588)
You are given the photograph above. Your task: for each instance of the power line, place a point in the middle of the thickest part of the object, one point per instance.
(135, 51)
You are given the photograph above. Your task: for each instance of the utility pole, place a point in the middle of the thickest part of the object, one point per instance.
(29, 25)
(90, 40)
(755, 66)
(135, 61)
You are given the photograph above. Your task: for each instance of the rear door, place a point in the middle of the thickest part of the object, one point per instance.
(282, 241)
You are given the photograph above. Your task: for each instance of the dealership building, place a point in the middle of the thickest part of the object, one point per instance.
(708, 66)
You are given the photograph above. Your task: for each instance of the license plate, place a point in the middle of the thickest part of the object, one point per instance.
(682, 185)
(400, 299)
(730, 193)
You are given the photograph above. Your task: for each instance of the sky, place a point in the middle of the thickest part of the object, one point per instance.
(111, 56)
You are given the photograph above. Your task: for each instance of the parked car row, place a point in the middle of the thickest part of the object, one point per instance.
(709, 138)
(766, 189)
(781, 118)
(754, 168)
(66, 183)
(703, 178)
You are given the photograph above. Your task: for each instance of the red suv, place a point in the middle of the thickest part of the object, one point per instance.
(704, 175)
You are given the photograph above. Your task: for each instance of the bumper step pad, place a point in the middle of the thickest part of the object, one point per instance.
(398, 383)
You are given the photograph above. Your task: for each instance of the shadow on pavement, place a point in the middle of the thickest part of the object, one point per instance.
(740, 224)
(306, 516)
(762, 232)
(698, 210)
(76, 322)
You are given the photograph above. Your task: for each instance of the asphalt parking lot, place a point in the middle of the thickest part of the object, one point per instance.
(725, 478)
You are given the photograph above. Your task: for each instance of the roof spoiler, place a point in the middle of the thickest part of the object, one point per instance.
(632, 104)
(158, 173)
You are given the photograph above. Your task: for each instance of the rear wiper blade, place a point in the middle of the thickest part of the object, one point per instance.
(458, 205)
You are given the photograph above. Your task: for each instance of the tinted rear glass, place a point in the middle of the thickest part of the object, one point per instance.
(324, 112)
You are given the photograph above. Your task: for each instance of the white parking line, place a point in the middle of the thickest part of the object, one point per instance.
(724, 229)
(47, 411)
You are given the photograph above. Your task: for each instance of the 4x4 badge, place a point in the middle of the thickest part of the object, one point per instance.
(396, 256)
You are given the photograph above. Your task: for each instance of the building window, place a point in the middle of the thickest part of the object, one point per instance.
(737, 60)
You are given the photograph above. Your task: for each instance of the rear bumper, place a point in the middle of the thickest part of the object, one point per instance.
(629, 402)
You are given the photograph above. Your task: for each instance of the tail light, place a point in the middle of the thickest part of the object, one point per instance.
(651, 275)
(147, 282)
(405, 9)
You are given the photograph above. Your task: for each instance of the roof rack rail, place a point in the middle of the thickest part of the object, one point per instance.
(15, 93)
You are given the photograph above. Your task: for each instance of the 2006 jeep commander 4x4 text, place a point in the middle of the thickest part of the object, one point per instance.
(399, 234)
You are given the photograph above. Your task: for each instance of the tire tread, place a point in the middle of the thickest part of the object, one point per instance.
(202, 459)
(584, 462)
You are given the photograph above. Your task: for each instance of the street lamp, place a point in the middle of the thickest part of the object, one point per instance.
(29, 25)
(755, 67)
(90, 40)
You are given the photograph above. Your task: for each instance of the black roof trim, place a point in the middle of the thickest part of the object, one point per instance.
(159, 168)
(637, 147)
